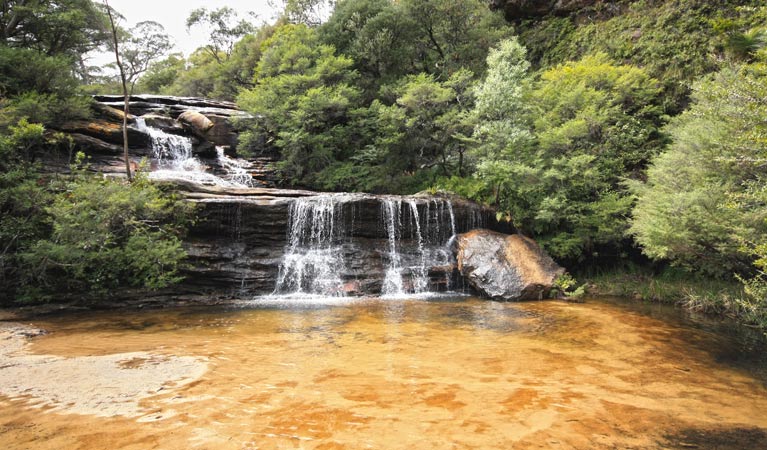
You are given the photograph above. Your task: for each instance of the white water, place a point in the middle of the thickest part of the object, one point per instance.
(313, 260)
(176, 161)
(393, 282)
(418, 234)
(238, 174)
(432, 244)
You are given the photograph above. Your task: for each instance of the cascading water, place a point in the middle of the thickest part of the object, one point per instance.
(407, 272)
(313, 261)
(175, 160)
(238, 174)
(393, 282)
(414, 244)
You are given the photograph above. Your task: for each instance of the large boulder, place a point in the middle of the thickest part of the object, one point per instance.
(195, 122)
(506, 267)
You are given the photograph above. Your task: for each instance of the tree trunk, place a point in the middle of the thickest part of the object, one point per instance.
(126, 94)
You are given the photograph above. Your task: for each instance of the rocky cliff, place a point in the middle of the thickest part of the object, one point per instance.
(251, 241)
(237, 247)
(526, 9)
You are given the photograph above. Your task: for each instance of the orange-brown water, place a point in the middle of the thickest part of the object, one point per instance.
(396, 374)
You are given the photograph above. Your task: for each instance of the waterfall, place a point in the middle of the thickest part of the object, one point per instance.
(313, 260)
(413, 238)
(175, 160)
(393, 282)
(407, 271)
(238, 174)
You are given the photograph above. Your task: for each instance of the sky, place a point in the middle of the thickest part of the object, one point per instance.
(172, 15)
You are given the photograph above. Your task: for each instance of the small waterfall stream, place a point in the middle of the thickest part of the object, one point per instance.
(430, 247)
(414, 243)
(313, 259)
(175, 160)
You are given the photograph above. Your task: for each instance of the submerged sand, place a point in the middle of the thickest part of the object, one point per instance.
(104, 386)
(379, 374)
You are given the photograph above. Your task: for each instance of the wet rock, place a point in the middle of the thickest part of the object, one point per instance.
(168, 101)
(95, 145)
(110, 113)
(204, 149)
(506, 267)
(239, 241)
(222, 132)
(165, 123)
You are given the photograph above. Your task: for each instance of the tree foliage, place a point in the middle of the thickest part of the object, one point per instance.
(555, 152)
(81, 233)
(225, 30)
(306, 97)
(685, 211)
(108, 234)
(53, 27)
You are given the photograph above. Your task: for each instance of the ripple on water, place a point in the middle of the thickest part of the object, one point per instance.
(411, 373)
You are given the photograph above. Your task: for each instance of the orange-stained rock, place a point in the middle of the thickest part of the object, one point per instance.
(506, 267)
(107, 131)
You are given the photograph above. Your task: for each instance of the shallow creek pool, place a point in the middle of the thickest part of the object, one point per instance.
(383, 374)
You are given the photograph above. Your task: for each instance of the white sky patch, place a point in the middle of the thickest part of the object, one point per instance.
(172, 15)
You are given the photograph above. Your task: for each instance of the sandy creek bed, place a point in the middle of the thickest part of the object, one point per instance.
(399, 374)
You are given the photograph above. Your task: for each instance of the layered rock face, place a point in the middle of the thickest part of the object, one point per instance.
(207, 127)
(506, 267)
(262, 241)
(219, 113)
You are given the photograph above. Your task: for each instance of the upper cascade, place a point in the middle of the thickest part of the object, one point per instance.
(174, 159)
(184, 139)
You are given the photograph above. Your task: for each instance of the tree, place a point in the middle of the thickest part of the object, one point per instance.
(703, 205)
(596, 124)
(202, 75)
(307, 12)
(53, 27)
(388, 40)
(503, 132)
(454, 34)
(22, 199)
(225, 30)
(147, 42)
(162, 74)
(305, 95)
(423, 135)
(42, 47)
(107, 234)
(377, 35)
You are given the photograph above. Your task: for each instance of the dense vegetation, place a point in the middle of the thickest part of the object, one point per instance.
(75, 234)
(621, 133)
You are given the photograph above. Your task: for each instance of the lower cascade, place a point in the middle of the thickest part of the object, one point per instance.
(327, 231)
(314, 258)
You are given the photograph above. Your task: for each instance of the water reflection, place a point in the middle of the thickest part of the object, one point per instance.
(422, 373)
